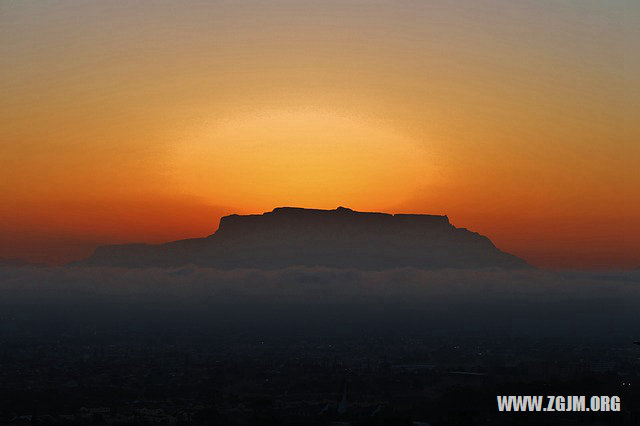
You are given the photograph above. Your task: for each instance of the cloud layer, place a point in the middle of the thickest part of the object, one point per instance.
(540, 304)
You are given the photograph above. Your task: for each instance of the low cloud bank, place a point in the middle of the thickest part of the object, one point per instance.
(571, 305)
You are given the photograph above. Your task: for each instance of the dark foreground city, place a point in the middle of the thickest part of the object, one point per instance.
(191, 351)
(180, 377)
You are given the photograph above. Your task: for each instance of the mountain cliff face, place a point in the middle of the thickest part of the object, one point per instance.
(340, 238)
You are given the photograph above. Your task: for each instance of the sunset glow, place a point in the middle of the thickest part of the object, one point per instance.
(147, 121)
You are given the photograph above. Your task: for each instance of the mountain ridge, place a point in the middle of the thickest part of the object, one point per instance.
(296, 236)
(17, 262)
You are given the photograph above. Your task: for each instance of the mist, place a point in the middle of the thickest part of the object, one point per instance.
(291, 303)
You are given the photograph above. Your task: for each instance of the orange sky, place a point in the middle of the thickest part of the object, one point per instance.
(124, 122)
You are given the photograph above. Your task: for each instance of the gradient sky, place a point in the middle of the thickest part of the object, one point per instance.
(145, 121)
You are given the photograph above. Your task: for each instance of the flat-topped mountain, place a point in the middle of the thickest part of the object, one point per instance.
(343, 238)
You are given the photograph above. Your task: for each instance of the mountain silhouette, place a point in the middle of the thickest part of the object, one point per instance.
(10, 262)
(342, 238)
